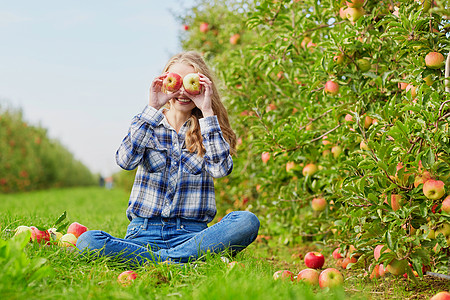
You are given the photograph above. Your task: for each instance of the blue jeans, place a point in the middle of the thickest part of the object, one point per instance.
(173, 239)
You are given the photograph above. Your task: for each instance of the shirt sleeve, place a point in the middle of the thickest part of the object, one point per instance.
(140, 135)
(217, 157)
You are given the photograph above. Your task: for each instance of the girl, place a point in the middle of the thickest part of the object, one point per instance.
(178, 151)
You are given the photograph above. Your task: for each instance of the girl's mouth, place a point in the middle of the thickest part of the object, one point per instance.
(183, 100)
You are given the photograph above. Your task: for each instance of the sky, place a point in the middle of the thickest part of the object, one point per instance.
(82, 69)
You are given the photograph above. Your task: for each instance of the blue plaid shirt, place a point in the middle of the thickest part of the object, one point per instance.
(170, 181)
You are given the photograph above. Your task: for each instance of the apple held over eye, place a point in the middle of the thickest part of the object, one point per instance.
(126, 277)
(310, 276)
(283, 275)
(68, 240)
(330, 277)
(441, 296)
(76, 229)
(314, 260)
(191, 83)
(433, 189)
(172, 82)
(434, 60)
(318, 204)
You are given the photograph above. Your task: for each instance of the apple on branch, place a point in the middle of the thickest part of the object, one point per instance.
(172, 82)
(191, 83)
(265, 157)
(309, 169)
(319, 204)
(331, 87)
(397, 266)
(446, 205)
(204, 27)
(433, 189)
(434, 60)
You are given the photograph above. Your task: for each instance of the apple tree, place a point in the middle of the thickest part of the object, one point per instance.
(345, 103)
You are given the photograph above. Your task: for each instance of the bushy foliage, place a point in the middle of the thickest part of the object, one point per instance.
(30, 160)
(382, 124)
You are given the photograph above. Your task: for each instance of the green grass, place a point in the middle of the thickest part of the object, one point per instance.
(70, 276)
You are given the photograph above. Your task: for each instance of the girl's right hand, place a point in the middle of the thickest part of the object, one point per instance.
(157, 97)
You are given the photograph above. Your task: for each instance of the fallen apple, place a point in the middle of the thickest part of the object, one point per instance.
(336, 254)
(68, 240)
(310, 276)
(441, 296)
(330, 277)
(76, 229)
(126, 277)
(283, 275)
(314, 260)
(39, 236)
(21, 229)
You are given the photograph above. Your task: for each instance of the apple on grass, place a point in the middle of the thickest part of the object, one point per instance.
(68, 240)
(191, 83)
(314, 260)
(54, 234)
(283, 275)
(172, 82)
(39, 236)
(126, 277)
(441, 296)
(330, 277)
(76, 229)
(318, 204)
(433, 189)
(21, 229)
(310, 276)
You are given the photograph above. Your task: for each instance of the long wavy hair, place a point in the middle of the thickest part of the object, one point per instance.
(194, 140)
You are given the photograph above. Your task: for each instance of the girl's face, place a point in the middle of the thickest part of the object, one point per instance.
(182, 103)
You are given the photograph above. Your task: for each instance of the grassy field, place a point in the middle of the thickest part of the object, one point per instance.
(50, 272)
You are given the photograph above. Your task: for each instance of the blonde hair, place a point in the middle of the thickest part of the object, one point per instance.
(194, 140)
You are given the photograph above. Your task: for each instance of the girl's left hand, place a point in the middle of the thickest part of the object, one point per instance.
(203, 100)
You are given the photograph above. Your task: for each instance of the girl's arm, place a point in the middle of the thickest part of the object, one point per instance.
(217, 157)
(140, 136)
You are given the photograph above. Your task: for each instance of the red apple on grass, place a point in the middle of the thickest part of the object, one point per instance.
(434, 60)
(441, 296)
(331, 87)
(126, 277)
(283, 275)
(172, 82)
(434, 189)
(39, 236)
(318, 204)
(330, 277)
(54, 234)
(314, 260)
(191, 83)
(76, 229)
(310, 276)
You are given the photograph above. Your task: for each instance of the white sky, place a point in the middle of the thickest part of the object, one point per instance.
(82, 69)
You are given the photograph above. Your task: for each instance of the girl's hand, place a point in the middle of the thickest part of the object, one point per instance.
(203, 100)
(157, 97)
